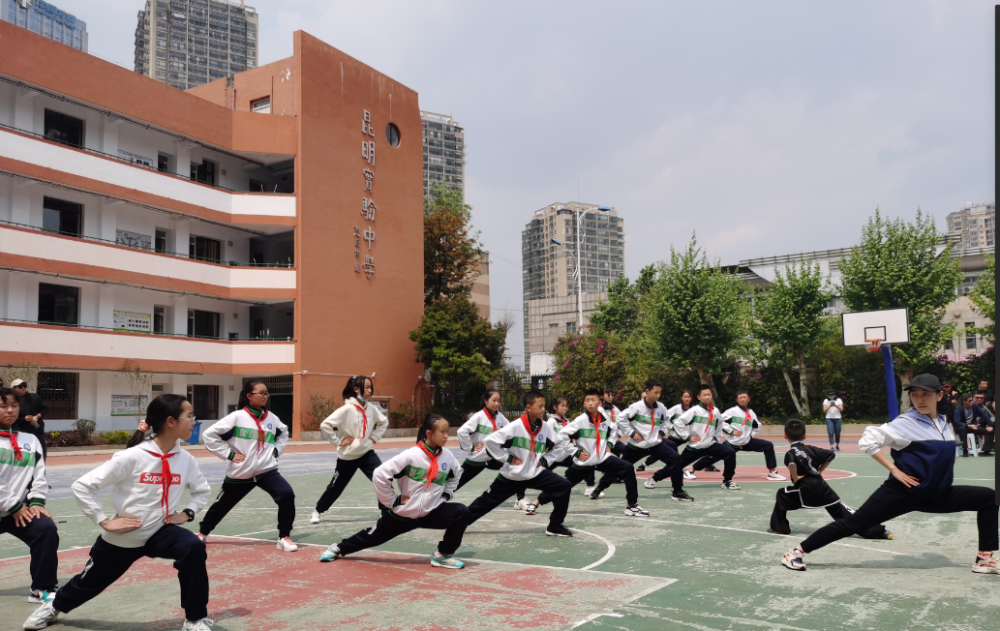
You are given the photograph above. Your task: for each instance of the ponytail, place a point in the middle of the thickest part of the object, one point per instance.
(159, 410)
(357, 381)
(248, 387)
(487, 396)
(428, 425)
(555, 403)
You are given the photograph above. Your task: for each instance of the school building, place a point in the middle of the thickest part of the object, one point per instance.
(269, 225)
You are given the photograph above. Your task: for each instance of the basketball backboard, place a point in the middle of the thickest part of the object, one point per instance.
(891, 326)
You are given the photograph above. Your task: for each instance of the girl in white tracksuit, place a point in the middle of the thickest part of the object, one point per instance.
(557, 421)
(353, 428)
(427, 476)
(251, 439)
(147, 483)
(470, 439)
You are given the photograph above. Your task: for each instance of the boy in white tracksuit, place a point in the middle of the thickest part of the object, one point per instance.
(594, 436)
(23, 489)
(147, 483)
(353, 429)
(427, 476)
(741, 417)
(525, 447)
(702, 426)
(251, 439)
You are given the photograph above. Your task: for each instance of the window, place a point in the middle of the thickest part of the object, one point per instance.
(554, 328)
(204, 172)
(159, 319)
(204, 249)
(161, 240)
(59, 391)
(948, 346)
(571, 327)
(970, 336)
(62, 128)
(203, 323)
(261, 106)
(205, 400)
(58, 304)
(163, 163)
(62, 216)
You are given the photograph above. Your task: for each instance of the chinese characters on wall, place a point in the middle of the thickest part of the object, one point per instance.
(364, 235)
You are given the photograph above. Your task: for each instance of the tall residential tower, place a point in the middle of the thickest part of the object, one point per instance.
(46, 20)
(444, 151)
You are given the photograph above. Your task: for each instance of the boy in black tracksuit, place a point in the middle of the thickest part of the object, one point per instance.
(806, 464)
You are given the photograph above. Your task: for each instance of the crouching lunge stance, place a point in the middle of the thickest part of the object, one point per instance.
(146, 482)
(353, 429)
(525, 447)
(556, 421)
(921, 473)
(702, 428)
(251, 439)
(22, 500)
(740, 417)
(809, 490)
(470, 440)
(594, 435)
(428, 476)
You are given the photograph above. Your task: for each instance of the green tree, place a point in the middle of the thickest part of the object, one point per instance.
(451, 253)
(983, 297)
(621, 311)
(595, 359)
(897, 265)
(788, 321)
(696, 313)
(457, 344)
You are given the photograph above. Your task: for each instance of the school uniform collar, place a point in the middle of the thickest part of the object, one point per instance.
(150, 445)
(595, 419)
(653, 407)
(535, 425)
(702, 406)
(434, 450)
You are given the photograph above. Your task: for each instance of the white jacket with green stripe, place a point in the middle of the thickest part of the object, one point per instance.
(584, 431)
(514, 441)
(745, 421)
(410, 469)
(237, 434)
(673, 414)
(22, 481)
(646, 426)
(474, 430)
(703, 423)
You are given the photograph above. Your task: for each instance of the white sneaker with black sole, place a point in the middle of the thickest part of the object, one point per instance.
(774, 475)
(558, 531)
(689, 475)
(205, 624)
(314, 518)
(530, 508)
(636, 511)
(650, 483)
(681, 496)
(793, 560)
(729, 485)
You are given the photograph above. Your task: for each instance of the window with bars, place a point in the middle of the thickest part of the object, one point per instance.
(205, 401)
(59, 391)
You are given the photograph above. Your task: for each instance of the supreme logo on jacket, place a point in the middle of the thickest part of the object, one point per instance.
(157, 478)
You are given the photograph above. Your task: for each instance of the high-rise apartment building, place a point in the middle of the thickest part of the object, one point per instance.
(444, 151)
(185, 43)
(974, 225)
(46, 20)
(548, 269)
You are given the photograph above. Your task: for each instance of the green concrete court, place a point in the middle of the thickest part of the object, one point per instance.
(706, 565)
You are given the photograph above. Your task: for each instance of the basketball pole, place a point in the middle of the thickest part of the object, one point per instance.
(890, 381)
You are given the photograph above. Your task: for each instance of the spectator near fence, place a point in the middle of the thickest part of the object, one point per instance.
(33, 409)
(969, 419)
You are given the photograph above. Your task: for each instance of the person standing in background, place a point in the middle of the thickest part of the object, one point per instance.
(833, 408)
(32, 410)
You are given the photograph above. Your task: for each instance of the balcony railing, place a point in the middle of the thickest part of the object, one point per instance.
(88, 327)
(146, 248)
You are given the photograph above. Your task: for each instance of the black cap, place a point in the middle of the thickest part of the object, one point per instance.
(925, 382)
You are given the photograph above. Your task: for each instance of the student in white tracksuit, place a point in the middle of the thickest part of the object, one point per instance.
(427, 476)
(251, 439)
(147, 483)
(741, 417)
(557, 421)
(353, 429)
(23, 489)
(470, 440)
(672, 437)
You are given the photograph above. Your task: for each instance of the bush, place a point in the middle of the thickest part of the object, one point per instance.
(117, 437)
(408, 415)
(64, 439)
(321, 407)
(86, 429)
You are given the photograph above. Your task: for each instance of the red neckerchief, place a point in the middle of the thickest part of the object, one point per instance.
(165, 483)
(260, 430)
(493, 419)
(432, 471)
(711, 417)
(747, 419)
(13, 443)
(527, 426)
(562, 420)
(597, 426)
(364, 426)
(652, 418)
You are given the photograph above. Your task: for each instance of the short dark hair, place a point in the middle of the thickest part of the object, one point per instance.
(703, 387)
(652, 383)
(795, 429)
(593, 392)
(9, 392)
(531, 396)
(739, 392)
(965, 397)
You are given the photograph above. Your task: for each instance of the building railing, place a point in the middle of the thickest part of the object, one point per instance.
(149, 248)
(88, 327)
(128, 161)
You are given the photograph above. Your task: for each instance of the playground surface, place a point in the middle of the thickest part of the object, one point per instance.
(706, 565)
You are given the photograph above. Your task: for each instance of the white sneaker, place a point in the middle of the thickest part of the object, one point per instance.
(314, 518)
(201, 625)
(42, 617)
(689, 475)
(636, 511)
(588, 490)
(285, 545)
(202, 538)
(650, 483)
(729, 485)
(774, 475)
(521, 504)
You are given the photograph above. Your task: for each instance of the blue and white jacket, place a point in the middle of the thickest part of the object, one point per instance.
(922, 447)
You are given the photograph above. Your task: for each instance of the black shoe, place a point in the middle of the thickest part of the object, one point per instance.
(965, 454)
(681, 496)
(711, 469)
(558, 531)
(619, 481)
(775, 532)
(641, 467)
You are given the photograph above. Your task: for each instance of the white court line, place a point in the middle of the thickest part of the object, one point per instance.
(610, 553)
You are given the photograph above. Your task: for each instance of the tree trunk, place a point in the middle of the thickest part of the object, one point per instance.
(803, 386)
(706, 378)
(791, 391)
(904, 400)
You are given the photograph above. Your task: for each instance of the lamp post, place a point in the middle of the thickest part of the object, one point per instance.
(576, 260)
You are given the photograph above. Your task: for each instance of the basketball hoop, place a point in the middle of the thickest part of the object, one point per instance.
(873, 345)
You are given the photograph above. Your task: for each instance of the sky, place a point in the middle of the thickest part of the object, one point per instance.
(764, 128)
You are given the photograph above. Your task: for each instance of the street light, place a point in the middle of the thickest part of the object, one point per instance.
(576, 260)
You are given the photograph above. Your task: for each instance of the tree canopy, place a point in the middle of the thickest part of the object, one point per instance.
(451, 253)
